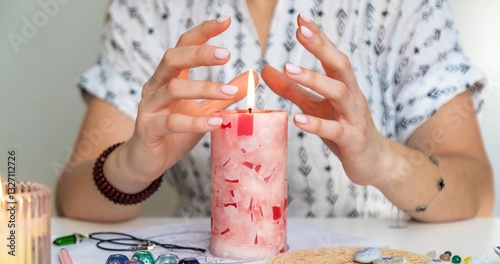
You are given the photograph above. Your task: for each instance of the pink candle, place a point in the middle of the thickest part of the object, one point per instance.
(249, 186)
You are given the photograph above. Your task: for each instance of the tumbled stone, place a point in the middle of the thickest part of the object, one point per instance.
(367, 255)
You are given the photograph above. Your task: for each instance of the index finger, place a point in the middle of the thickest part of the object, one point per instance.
(203, 32)
(336, 64)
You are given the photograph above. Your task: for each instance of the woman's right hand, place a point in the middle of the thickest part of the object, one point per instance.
(175, 111)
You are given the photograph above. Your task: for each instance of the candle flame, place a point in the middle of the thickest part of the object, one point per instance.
(251, 90)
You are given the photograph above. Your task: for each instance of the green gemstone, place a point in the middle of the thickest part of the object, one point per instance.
(456, 259)
(68, 240)
(145, 256)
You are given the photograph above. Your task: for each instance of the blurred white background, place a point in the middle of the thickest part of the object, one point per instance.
(41, 109)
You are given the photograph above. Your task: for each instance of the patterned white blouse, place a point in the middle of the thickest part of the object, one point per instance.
(406, 56)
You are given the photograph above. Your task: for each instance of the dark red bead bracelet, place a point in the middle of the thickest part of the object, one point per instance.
(111, 192)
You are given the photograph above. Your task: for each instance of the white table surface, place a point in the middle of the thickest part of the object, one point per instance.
(467, 238)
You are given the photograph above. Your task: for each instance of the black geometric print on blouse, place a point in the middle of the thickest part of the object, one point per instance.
(290, 42)
(166, 15)
(304, 166)
(260, 102)
(310, 214)
(353, 214)
(200, 193)
(317, 9)
(221, 77)
(331, 196)
(103, 76)
(370, 11)
(239, 65)
(110, 97)
(462, 67)
(341, 22)
(353, 191)
(398, 75)
(135, 15)
(189, 23)
(116, 47)
(379, 44)
(326, 151)
(127, 75)
(409, 121)
(436, 93)
(353, 47)
(285, 104)
(137, 48)
(309, 195)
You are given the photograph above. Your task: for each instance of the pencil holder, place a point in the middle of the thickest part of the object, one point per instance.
(24, 223)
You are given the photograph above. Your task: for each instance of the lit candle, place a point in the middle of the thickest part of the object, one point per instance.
(25, 223)
(248, 184)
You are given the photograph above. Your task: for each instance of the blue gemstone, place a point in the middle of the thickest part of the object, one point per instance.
(133, 261)
(116, 259)
(189, 261)
(167, 258)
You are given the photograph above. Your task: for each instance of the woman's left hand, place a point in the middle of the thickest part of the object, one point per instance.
(340, 116)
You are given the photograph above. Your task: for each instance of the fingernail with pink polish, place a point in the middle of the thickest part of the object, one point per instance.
(214, 121)
(301, 119)
(293, 69)
(221, 54)
(222, 19)
(306, 32)
(305, 18)
(229, 89)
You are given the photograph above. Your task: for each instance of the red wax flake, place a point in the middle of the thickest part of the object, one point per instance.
(266, 179)
(248, 164)
(282, 250)
(276, 212)
(232, 181)
(225, 231)
(251, 217)
(251, 201)
(245, 124)
(243, 150)
(232, 193)
(261, 213)
(224, 165)
(231, 204)
(256, 241)
(285, 204)
(228, 125)
(257, 168)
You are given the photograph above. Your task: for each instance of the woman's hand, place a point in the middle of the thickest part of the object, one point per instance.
(171, 117)
(340, 115)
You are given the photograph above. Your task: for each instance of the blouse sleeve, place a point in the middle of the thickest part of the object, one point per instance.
(432, 68)
(133, 43)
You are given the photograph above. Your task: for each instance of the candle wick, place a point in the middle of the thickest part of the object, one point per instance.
(250, 110)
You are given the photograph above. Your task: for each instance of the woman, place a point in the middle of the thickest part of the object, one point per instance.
(392, 99)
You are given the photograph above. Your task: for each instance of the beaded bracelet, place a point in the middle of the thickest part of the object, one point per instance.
(111, 192)
(440, 186)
